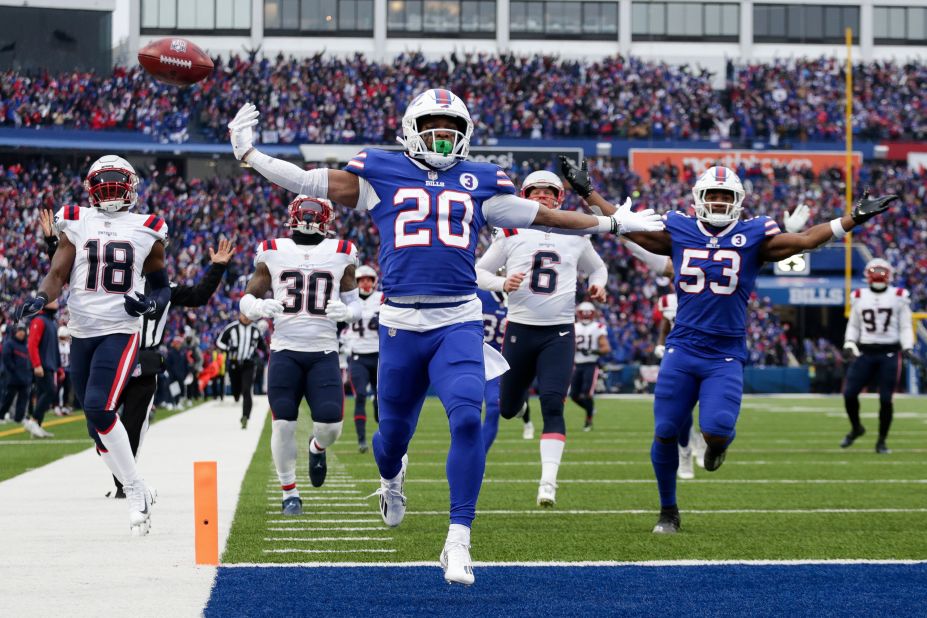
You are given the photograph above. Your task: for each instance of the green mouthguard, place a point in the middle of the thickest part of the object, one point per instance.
(443, 146)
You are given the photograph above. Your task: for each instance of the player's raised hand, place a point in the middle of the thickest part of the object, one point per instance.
(868, 207)
(597, 293)
(795, 222)
(224, 254)
(513, 282)
(46, 220)
(241, 130)
(643, 221)
(576, 175)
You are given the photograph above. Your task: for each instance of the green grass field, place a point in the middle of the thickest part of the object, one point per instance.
(19, 452)
(786, 491)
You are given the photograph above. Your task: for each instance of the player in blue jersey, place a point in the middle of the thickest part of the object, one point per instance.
(429, 203)
(716, 258)
(494, 319)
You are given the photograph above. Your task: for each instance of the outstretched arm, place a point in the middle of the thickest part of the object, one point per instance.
(782, 246)
(337, 185)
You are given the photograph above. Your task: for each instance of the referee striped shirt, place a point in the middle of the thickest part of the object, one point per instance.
(241, 341)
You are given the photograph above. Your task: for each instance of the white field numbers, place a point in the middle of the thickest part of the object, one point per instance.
(422, 199)
(730, 271)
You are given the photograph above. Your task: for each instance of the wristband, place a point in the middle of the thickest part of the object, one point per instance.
(836, 228)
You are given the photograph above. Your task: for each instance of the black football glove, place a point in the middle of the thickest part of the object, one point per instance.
(141, 305)
(913, 358)
(30, 307)
(868, 207)
(577, 176)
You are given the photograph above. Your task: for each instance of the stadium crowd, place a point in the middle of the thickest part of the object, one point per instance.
(326, 99)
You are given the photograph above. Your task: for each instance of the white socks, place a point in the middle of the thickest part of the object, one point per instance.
(118, 457)
(458, 533)
(283, 448)
(324, 435)
(551, 454)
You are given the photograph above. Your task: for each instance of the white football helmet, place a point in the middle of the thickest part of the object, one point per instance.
(667, 306)
(586, 312)
(112, 184)
(879, 274)
(63, 332)
(543, 178)
(724, 178)
(362, 272)
(311, 215)
(442, 154)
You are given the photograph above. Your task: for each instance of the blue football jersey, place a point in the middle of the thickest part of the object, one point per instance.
(715, 273)
(429, 220)
(494, 317)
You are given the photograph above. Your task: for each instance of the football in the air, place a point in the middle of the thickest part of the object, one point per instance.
(175, 61)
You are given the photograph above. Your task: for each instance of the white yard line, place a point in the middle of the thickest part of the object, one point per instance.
(583, 564)
(326, 529)
(326, 539)
(696, 481)
(62, 530)
(550, 512)
(295, 550)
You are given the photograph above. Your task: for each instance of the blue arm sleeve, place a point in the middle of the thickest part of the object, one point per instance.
(160, 288)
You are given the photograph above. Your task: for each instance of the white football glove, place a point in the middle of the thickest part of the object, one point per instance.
(795, 222)
(850, 349)
(643, 221)
(268, 308)
(240, 130)
(659, 351)
(337, 311)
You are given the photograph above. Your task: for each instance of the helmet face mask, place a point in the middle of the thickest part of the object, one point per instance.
(878, 274)
(310, 215)
(440, 148)
(714, 211)
(112, 184)
(544, 180)
(586, 312)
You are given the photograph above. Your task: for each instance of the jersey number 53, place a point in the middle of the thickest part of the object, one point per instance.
(692, 279)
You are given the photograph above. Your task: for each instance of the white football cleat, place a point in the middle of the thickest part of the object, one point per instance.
(33, 428)
(455, 560)
(547, 495)
(697, 442)
(528, 432)
(685, 470)
(140, 499)
(392, 498)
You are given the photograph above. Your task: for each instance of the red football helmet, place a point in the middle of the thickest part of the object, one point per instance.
(311, 215)
(878, 274)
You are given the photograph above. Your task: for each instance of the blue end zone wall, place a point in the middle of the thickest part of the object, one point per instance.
(718, 590)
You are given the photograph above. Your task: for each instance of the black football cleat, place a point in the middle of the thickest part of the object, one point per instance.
(669, 522)
(714, 458)
(850, 438)
(881, 449)
(318, 468)
(362, 447)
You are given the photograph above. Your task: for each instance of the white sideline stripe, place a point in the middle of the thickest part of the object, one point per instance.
(38, 442)
(338, 512)
(549, 512)
(71, 534)
(294, 550)
(646, 462)
(326, 529)
(699, 481)
(582, 564)
(317, 490)
(325, 504)
(277, 539)
(298, 520)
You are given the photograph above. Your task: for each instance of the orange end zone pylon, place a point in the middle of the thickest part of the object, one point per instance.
(206, 512)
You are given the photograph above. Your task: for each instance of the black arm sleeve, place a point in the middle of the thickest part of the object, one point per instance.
(199, 294)
(160, 287)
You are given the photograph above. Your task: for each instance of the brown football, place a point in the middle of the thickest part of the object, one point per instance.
(175, 61)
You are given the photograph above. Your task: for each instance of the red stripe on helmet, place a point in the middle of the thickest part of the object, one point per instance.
(720, 173)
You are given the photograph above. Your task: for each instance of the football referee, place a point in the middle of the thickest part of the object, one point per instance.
(241, 340)
(139, 392)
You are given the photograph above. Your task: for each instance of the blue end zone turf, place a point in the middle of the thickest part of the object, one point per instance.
(748, 590)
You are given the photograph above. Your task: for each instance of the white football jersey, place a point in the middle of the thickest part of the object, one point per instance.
(363, 336)
(111, 251)
(550, 262)
(304, 279)
(880, 318)
(587, 341)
